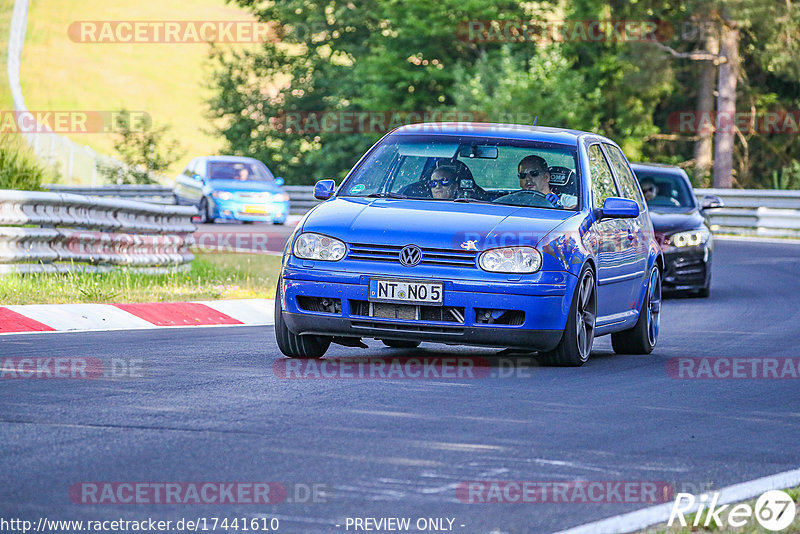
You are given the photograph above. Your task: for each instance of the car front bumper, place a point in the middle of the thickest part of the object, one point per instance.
(686, 268)
(545, 305)
(276, 212)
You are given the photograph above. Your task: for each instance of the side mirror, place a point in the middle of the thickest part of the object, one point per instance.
(712, 201)
(279, 181)
(197, 177)
(323, 190)
(618, 208)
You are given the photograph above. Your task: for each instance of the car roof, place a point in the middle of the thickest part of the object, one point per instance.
(659, 168)
(230, 158)
(547, 134)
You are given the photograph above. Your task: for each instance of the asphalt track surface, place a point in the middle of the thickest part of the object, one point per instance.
(212, 409)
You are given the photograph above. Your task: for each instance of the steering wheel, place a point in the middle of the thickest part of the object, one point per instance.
(525, 197)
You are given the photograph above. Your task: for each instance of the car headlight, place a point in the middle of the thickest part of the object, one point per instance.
(692, 238)
(222, 195)
(311, 246)
(280, 197)
(511, 260)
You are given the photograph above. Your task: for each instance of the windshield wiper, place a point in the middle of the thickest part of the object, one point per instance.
(386, 195)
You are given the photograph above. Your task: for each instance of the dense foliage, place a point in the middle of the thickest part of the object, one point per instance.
(413, 56)
(19, 168)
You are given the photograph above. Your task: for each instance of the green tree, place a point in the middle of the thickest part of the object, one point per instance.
(143, 148)
(382, 55)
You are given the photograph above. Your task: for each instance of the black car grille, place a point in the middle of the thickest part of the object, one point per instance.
(430, 256)
(377, 327)
(408, 312)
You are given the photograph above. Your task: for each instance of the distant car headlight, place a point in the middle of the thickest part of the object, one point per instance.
(311, 246)
(222, 195)
(692, 238)
(511, 260)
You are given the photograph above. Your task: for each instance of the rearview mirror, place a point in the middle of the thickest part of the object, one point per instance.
(323, 190)
(197, 177)
(478, 151)
(618, 208)
(279, 181)
(712, 201)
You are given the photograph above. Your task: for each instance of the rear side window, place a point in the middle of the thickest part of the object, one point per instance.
(627, 182)
(602, 180)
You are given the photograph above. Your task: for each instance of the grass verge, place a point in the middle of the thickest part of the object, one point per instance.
(751, 527)
(168, 81)
(212, 276)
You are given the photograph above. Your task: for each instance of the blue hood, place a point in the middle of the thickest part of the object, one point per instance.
(430, 223)
(244, 185)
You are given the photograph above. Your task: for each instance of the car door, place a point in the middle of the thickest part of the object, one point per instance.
(183, 185)
(616, 256)
(195, 181)
(638, 227)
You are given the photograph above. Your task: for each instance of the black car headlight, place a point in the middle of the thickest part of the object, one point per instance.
(311, 246)
(521, 260)
(692, 238)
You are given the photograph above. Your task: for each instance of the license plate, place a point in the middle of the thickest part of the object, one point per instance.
(406, 291)
(255, 209)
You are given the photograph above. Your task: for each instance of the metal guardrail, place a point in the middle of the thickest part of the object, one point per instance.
(157, 194)
(768, 213)
(57, 232)
(301, 198)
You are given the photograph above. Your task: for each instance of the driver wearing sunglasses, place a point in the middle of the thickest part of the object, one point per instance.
(535, 176)
(443, 183)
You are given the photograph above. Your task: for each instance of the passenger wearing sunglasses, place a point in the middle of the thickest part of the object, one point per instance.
(443, 183)
(534, 176)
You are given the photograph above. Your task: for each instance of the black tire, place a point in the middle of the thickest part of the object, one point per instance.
(576, 343)
(293, 345)
(205, 215)
(400, 343)
(642, 338)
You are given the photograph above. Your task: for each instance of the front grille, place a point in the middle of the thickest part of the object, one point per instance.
(430, 256)
(408, 312)
(686, 270)
(406, 327)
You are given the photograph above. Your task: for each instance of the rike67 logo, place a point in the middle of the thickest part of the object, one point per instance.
(774, 510)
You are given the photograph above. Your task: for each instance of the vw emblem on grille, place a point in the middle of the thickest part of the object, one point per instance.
(410, 256)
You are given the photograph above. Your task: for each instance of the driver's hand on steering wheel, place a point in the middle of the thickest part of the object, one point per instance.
(554, 200)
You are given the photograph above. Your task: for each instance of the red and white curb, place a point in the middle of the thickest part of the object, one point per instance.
(88, 317)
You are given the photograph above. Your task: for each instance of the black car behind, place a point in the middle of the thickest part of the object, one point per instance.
(680, 227)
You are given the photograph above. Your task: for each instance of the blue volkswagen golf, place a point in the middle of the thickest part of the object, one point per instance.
(517, 237)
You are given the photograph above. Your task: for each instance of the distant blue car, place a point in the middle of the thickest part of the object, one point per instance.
(234, 188)
(506, 236)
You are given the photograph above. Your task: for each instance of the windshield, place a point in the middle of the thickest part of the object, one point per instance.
(239, 170)
(665, 190)
(468, 169)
